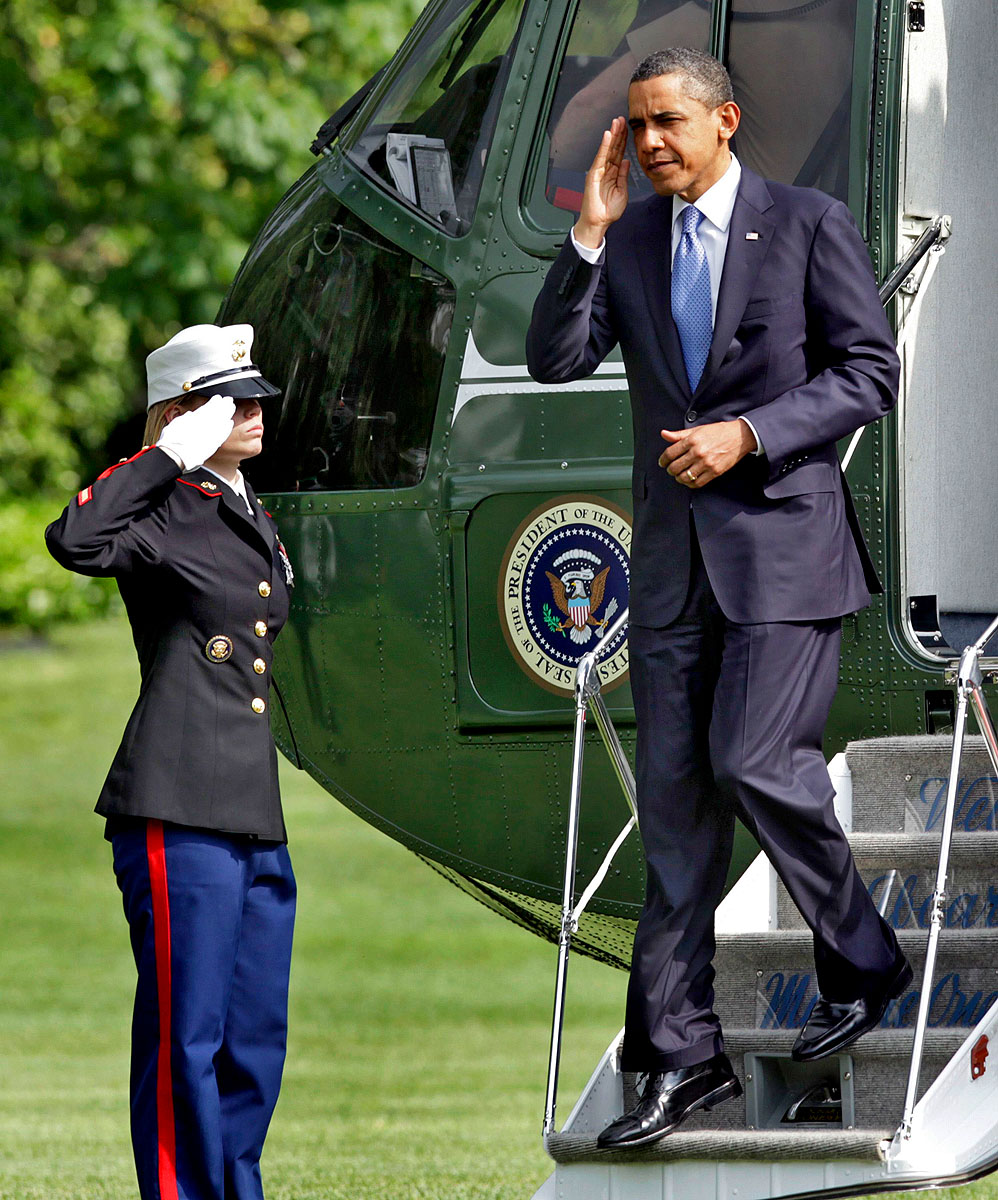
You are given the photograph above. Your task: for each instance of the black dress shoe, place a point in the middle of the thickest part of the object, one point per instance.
(668, 1098)
(831, 1027)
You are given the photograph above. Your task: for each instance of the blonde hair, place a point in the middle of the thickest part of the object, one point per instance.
(156, 416)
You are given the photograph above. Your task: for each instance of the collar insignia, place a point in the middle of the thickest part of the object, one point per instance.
(204, 486)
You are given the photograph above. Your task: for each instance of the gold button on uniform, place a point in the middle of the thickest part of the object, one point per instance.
(263, 587)
(260, 629)
(258, 705)
(259, 666)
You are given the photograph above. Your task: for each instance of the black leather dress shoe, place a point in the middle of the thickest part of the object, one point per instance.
(831, 1027)
(668, 1098)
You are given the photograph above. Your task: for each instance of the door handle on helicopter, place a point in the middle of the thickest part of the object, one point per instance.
(933, 238)
(937, 231)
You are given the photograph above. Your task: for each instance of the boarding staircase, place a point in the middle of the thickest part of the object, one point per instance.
(831, 1122)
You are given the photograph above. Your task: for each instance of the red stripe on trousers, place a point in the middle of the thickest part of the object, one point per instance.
(167, 1137)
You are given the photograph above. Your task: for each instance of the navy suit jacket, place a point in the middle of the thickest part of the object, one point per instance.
(801, 347)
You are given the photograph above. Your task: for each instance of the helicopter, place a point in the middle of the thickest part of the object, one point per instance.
(461, 533)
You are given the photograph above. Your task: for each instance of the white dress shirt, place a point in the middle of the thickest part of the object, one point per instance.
(717, 204)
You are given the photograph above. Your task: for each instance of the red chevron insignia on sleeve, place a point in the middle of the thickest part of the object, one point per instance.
(85, 496)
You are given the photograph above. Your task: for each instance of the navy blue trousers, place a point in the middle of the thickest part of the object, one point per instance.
(730, 723)
(211, 919)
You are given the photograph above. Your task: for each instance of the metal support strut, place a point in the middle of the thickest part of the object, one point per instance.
(969, 690)
(587, 691)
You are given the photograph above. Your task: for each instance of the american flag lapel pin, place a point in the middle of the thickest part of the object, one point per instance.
(752, 236)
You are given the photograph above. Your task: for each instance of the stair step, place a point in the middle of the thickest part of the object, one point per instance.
(850, 1145)
(766, 980)
(878, 1063)
(965, 847)
(972, 893)
(878, 1043)
(899, 784)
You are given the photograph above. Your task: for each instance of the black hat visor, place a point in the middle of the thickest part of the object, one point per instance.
(246, 384)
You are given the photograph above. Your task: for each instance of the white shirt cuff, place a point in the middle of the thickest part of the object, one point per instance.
(172, 454)
(758, 440)
(587, 252)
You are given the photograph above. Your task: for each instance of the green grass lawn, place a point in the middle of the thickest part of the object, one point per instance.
(419, 1021)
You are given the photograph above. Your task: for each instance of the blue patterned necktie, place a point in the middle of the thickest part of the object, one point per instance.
(691, 309)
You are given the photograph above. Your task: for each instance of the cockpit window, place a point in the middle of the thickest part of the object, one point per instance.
(791, 65)
(429, 135)
(354, 331)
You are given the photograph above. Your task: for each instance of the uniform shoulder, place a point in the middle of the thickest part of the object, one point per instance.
(149, 463)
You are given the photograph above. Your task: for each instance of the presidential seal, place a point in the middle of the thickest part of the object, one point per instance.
(564, 579)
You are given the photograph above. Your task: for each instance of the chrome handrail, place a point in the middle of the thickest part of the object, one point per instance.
(969, 688)
(587, 691)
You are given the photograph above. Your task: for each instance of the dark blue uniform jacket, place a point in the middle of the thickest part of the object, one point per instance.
(206, 591)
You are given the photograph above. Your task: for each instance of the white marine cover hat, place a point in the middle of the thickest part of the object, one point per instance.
(207, 359)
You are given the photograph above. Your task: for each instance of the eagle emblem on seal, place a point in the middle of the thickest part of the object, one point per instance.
(578, 594)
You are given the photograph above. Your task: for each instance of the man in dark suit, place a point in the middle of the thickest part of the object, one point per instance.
(753, 339)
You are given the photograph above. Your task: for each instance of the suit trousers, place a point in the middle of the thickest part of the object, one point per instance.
(730, 722)
(211, 918)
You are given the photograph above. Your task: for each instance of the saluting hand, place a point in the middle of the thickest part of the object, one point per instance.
(195, 436)
(605, 195)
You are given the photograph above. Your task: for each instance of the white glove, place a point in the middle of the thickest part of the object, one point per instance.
(193, 437)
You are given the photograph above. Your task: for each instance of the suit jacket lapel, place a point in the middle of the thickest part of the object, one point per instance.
(653, 249)
(743, 260)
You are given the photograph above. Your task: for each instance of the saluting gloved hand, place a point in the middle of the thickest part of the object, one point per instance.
(193, 437)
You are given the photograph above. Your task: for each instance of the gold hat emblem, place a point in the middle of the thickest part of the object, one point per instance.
(238, 350)
(219, 648)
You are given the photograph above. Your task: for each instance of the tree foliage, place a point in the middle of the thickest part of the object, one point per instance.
(142, 143)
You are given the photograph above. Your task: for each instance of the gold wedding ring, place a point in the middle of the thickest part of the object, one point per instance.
(693, 478)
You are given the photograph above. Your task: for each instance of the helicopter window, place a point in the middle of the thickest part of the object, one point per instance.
(355, 332)
(791, 65)
(428, 137)
(606, 44)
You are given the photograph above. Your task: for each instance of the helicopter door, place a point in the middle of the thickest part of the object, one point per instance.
(948, 433)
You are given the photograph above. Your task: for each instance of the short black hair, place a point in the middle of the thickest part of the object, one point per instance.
(705, 77)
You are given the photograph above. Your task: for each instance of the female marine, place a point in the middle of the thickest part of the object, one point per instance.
(191, 800)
